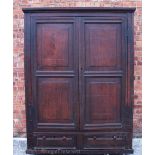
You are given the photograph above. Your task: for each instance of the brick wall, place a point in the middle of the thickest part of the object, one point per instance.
(19, 108)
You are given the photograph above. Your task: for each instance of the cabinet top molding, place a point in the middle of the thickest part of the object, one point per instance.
(78, 9)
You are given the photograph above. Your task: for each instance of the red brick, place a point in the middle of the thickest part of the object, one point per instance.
(139, 3)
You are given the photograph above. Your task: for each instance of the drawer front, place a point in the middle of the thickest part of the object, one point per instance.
(106, 141)
(56, 141)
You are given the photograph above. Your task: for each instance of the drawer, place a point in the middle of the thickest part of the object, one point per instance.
(56, 141)
(105, 140)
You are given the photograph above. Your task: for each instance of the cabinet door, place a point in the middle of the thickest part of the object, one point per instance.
(103, 73)
(54, 70)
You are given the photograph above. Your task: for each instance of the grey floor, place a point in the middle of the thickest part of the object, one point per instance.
(19, 146)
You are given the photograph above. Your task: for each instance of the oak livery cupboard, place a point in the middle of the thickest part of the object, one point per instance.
(79, 80)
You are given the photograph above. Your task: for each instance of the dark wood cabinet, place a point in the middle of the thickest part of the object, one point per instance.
(79, 80)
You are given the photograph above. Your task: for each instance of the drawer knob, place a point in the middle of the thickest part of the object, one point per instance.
(64, 138)
(114, 137)
(94, 138)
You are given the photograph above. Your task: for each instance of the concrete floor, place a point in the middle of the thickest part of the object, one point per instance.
(19, 146)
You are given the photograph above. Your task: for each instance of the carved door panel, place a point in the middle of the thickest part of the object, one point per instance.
(55, 74)
(103, 71)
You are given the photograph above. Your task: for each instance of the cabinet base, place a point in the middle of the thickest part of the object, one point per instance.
(78, 152)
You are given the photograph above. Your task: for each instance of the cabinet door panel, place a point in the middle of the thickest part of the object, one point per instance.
(103, 63)
(55, 74)
(55, 104)
(102, 101)
(103, 46)
(54, 46)
(55, 100)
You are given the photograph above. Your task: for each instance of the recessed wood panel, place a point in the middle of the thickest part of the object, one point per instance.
(103, 46)
(102, 100)
(54, 46)
(55, 100)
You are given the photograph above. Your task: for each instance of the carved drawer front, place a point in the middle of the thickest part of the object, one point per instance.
(56, 141)
(105, 141)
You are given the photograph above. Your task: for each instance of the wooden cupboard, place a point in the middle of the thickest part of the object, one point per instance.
(79, 80)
